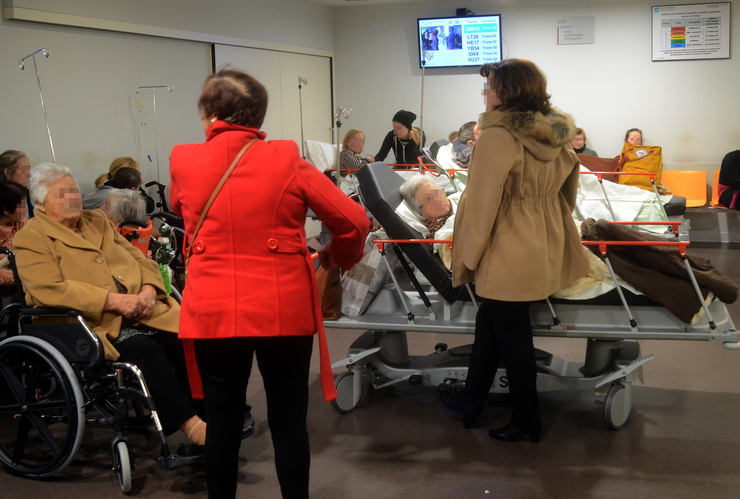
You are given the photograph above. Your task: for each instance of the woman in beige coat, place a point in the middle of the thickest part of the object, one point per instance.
(514, 235)
(74, 258)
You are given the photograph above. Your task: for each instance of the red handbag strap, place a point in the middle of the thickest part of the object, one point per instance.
(213, 196)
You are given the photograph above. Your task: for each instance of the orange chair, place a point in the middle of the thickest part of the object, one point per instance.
(715, 193)
(690, 184)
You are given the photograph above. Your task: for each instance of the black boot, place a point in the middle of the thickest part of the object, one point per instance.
(511, 433)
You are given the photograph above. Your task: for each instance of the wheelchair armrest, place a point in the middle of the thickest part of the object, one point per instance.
(49, 312)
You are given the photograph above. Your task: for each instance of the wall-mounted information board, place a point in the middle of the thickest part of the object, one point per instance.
(698, 31)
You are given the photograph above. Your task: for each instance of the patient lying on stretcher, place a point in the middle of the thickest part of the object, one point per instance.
(426, 210)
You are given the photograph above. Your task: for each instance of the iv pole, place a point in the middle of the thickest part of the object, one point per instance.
(169, 88)
(303, 81)
(22, 66)
(425, 57)
(341, 111)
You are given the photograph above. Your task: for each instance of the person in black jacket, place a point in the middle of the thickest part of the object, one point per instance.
(404, 139)
(729, 180)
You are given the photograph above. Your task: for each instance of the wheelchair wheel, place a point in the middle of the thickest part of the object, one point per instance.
(347, 400)
(41, 408)
(122, 466)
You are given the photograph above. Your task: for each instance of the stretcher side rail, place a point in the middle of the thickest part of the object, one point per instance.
(556, 321)
(652, 175)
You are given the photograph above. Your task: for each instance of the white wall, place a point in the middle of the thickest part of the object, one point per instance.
(89, 78)
(690, 108)
(88, 83)
(293, 22)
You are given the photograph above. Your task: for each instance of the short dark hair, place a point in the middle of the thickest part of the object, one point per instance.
(627, 135)
(466, 132)
(9, 159)
(519, 85)
(234, 96)
(126, 178)
(11, 195)
(581, 131)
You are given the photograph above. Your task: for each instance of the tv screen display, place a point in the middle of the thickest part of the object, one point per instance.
(459, 41)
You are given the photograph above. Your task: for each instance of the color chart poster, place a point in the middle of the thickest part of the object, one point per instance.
(684, 32)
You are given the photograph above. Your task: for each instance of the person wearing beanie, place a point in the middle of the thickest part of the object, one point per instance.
(404, 139)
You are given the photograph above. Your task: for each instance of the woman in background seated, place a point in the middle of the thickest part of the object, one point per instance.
(14, 165)
(728, 188)
(12, 219)
(633, 136)
(73, 258)
(579, 143)
(515, 236)
(349, 158)
(404, 139)
(124, 178)
(115, 165)
(125, 204)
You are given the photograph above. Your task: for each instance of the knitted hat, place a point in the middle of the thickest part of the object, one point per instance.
(406, 118)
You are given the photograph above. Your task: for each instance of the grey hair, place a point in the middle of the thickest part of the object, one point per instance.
(409, 188)
(44, 176)
(9, 159)
(126, 204)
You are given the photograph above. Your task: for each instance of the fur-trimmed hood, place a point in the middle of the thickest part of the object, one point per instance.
(542, 135)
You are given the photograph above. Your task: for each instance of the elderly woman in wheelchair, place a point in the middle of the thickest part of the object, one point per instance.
(73, 258)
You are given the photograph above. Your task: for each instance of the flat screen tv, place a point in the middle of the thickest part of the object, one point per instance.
(459, 41)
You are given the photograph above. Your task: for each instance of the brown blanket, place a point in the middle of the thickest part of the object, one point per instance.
(659, 271)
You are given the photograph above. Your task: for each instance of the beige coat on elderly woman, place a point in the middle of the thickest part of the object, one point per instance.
(58, 268)
(514, 233)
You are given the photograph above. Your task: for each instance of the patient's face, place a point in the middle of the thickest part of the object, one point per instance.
(63, 202)
(432, 201)
(356, 143)
(577, 141)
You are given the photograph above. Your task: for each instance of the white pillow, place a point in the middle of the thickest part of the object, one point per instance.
(321, 154)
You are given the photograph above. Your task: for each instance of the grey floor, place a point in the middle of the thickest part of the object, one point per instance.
(681, 440)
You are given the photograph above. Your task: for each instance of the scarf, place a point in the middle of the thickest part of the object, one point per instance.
(434, 224)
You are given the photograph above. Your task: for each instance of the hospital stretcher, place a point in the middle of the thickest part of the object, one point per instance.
(613, 359)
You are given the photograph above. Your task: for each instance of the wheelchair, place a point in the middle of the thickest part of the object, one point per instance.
(52, 375)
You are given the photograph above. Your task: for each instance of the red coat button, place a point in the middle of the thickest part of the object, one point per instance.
(273, 244)
(199, 246)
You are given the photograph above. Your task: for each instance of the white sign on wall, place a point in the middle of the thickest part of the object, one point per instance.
(699, 31)
(576, 30)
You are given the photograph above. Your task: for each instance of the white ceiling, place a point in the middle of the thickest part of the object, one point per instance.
(350, 3)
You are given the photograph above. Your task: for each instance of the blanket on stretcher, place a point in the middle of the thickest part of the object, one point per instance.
(659, 271)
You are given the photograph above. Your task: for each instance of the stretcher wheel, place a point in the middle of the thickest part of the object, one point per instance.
(42, 417)
(122, 466)
(617, 406)
(349, 392)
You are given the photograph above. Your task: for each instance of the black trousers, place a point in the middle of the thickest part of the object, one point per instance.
(503, 333)
(156, 356)
(225, 365)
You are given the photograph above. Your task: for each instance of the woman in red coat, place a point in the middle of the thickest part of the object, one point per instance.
(251, 284)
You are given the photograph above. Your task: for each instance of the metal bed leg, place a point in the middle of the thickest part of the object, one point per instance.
(555, 319)
(712, 325)
(660, 203)
(398, 289)
(606, 197)
(633, 323)
(472, 296)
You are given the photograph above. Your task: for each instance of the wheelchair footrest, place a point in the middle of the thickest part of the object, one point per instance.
(175, 460)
